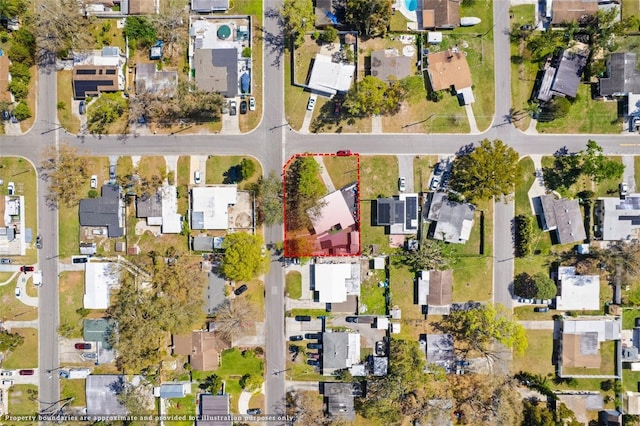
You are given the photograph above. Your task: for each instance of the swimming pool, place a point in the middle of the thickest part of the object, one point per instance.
(412, 5)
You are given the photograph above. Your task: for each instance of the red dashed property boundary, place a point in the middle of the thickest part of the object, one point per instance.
(287, 252)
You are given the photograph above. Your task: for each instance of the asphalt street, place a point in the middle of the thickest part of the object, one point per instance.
(272, 143)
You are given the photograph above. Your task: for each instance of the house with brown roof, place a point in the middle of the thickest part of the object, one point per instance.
(449, 69)
(388, 64)
(566, 11)
(438, 14)
(202, 347)
(138, 7)
(435, 290)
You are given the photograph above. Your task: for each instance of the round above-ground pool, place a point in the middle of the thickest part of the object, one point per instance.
(224, 32)
(412, 5)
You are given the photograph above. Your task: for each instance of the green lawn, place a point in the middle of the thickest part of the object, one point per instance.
(602, 116)
(636, 166)
(523, 205)
(629, 316)
(183, 177)
(71, 295)
(378, 176)
(402, 291)
(526, 313)
(422, 168)
(299, 369)
(255, 295)
(234, 365)
(293, 284)
(26, 355)
(398, 22)
(607, 355)
(295, 98)
(182, 407)
(65, 94)
(74, 388)
(630, 7)
(313, 313)
(372, 296)
(12, 308)
(372, 234)
(538, 356)
(602, 189)
(23, 400)
(342, 170)
(630, 380)
(218, 170)
(523, 71)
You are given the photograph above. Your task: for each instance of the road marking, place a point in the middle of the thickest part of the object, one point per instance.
(630, 144)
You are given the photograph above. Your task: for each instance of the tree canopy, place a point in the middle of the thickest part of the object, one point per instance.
(370, 17)
(299, 18)
(269, 199)
(10, 341)
(105, 110)
(242, 260)
(140, 31)
(597, 166)
(58, 29)
(67, 172)
(538, 286)
(477, 328)
(431, 254)
(233, 318)
(372, 96)
(303, 190)
(489, 170)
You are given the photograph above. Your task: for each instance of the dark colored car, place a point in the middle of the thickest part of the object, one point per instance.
(294, 349)
(540, 309)
(313, 362)
(141, 119)
(238, 291)
(303, 318)
(5, 260)
(344, 153)
(5, 115)
(82, 108)
(82, 346)
(296, 338)
(79, 260)
(312, 336)
(352, 319)
(337, 107)
(243, 107)
(314, 345)
(39, 241)
(14, 119)
(314, 356)
(26, 372)
(254, 411)
(26, 269)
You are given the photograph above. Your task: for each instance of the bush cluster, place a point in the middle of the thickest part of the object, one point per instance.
(524, 235)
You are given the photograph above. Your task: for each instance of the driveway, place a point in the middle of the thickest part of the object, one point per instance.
(24, 297)
(294, 328)
(629, 173)
(368, 335)
(405, 165)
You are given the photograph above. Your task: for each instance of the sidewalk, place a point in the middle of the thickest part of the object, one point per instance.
(324, 175)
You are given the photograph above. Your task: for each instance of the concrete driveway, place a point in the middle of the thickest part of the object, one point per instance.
(368, 335)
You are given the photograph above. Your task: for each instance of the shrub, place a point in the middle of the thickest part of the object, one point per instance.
(329, 35)
(22, 111)
(93, 193)
(20, 71)
(246, 52)
(524, 235)
(19, 89)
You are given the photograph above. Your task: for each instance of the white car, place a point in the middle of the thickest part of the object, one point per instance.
(197, 177)
(252, 104)
(624, 189)
(11, 187)
(94, 181)
(435, 183)
(18, 292)
(402, 184)
(311, 104)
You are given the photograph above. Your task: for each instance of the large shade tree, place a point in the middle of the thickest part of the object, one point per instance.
(299, 18)
(370, 17)
(67, 172)
(242, 260)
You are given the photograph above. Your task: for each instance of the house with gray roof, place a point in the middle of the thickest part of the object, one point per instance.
(150, 80)
(174, 390)
(217, 70)
(214, 295)
(339, 350)
(206, 6)
(98, 331)
(563, 217)
(617, 219)
(388, 64)
(102, 392)
(622, 77)
(106, 211)
(212, 406)
(450, 221)
(439, 350)
(339, 400)
(562, 77)
(150, 207)
(435, 289)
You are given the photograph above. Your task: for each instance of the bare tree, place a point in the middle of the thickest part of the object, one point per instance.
(67, 172)
(171, 27)
(233, 318)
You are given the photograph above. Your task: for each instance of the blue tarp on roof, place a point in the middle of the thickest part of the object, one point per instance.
(245, 82)
(332, 17)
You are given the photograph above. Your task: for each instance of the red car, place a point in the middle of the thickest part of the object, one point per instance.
(26, 269)
(82, 346)
(26, 372)
(343, 153)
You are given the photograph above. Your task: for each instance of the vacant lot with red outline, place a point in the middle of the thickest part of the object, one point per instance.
(330, 239)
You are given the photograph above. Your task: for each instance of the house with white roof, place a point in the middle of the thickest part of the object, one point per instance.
(577, 292)
(210, 206)
(618, 219)
(334, 282)
(329, 77)
(99, 279)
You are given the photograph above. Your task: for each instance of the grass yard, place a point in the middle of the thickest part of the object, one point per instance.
(251, 120)
(523, 71)
(629, 316)
(295, 98)
(65, 94)
(630, 7)
(398, 22)
(636, 166)
(299, 369)
(378, 176)
(402, 292)
(372, 296)
(182, 407)
(293, 285)
(630, 380)
(538, 356)
(26, 355)
(149, 166)
(71, 294)
(233, 366)
(69, 231)
(523, 205)
(526, 313)
(324, 121)
(105, 32)
(313, 313)
(473, 273)
(246, 7)
(602, 189)
(26, 124)
(422, 169)
(12, 308)
(75, 389)
(372, 234)
(23, 400)
(342, 170)
(255, 296)
(304, 57)
(602, 116)
(218, 168)
(607, 355)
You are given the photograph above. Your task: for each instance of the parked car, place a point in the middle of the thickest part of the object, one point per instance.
(197, 177)
(544, 309)
(39, 242)
(337, 107)
(254, 411)
(311, 104)
(624, 189)
(82, 108)
(313, 362)
(243, 107)
(6, 373)
(82, 346)
(5, 260)
(312, 336)
(402, 184)
(26, 372)
(314, 345)
(94, 181)
(112, 172)
(7, 382)
(26, 269)
(294, 349)
(14, 119)
(252, 104)
(11, 188)
(435, 183)
(5, 115)
(314, 356)
(238, 291)
(82, 259)
(343, 153)
(89, 355)
(296, 338)
(18, 292)
(303, 318)
(233, 108)
(351, 319)
(142, 120)
(439, 169)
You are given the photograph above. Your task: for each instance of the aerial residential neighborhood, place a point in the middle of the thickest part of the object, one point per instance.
(320, 212)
